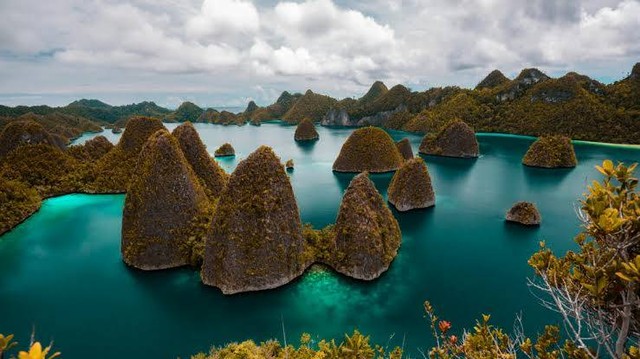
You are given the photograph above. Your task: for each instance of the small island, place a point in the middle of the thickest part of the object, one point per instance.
(289, 165)
(306, 131)
(524, 213)
(368, 149)
(410, 187)
(455, 139)
(225, 150)
(551, 152)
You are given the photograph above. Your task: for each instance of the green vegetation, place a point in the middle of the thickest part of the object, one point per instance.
(524, 213)
(92, 150)
(225, 150)
(187, 111)
(455, 139)
(163, 205)
(494, 79)
(211, 175)
(306, 131)
(367, 235)
(20, 133)
(114, 170)
(17, 202)
(256, 240)
(551, 152)
(277, 109)
(368, 149)
(35, 351)
(311, 105)
(410, 187)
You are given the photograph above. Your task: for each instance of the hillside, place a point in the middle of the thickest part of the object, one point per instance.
(311, 105)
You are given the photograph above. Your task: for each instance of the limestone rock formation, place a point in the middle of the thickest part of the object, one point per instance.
(551, 152)
(367, 235)
(289, 165)
(456, 139)
(338, 117)
(368, 149)
(225, 150)
(306, 131)
(494, 79)
(20, 133)
(410, 187)
(164, 204)
(256, 235)
(404, 146)
(206, 168)
(251, 108)
(524, 213)
(115, 169)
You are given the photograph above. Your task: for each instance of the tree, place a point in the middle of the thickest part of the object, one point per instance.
(596, 289)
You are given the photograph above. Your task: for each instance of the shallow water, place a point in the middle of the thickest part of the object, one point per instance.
(62, 273)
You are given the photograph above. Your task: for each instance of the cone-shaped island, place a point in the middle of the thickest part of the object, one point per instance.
(410, 187)
(368, 149)
(456, 139)
(306, 131)
(551, 152)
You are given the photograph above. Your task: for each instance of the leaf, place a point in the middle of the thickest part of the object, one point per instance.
(608, 166)
(624, 277)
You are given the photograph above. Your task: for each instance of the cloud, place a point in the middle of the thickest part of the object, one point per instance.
(250, 48)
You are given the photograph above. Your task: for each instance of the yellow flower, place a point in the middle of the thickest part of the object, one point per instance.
(36, 352)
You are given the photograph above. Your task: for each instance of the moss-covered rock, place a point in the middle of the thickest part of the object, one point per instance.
(410, 187)
(18, 201)
(206, 168)
(306, 131)
(225, 150)
(551, 152)
(456, 139)
(367, 234)
(524, 213)
(115, 169)
(368, 149)
(404, 146)
(163, 209)
(92, 150)
(494, 79)
(20, 133)
(256, 241)
(289, 165)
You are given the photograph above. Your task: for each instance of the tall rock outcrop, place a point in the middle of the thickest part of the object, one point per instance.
(256, 235)
(306, 131)
(404, 146)
(456, 139)
(164, 204)
(551, 152)
(367, 235)
(115, 169)
(368, 149)
(410, 187)
(524, 213)
(206, 168)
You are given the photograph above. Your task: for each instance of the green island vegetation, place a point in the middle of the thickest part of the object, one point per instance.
(455, 139)
(225, 150)
(404, 146)
(524, 213)
(211, 175)
(306, 131)
(410, 187)
(551, 152)
(187, 111)
(164, 206)
(17, 202)
(368, 149)
(311, 105)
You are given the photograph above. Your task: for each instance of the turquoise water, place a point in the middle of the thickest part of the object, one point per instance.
(62, 273)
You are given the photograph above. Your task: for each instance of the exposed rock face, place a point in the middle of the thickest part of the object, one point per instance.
(367, 234)
(368, 149)
(410, 187)
(551, 152)
(524, 213)
(115, 169)
(20, 133)
(256, 240)
(380, 118)
(635, 72)
(306, 131)
(163, 204)
(225, 150)
(404, 146)
(456, 139)
(338, 117)
(494, 79)
(206, 168)
(526, 79)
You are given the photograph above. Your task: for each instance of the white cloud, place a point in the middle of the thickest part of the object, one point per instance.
(224, 19)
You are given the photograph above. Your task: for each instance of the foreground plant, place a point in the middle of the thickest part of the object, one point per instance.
(35, 349)
(596, 289)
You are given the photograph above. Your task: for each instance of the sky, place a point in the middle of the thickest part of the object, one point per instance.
(228, 52)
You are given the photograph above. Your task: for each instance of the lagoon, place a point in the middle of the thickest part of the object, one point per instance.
(62, 273)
